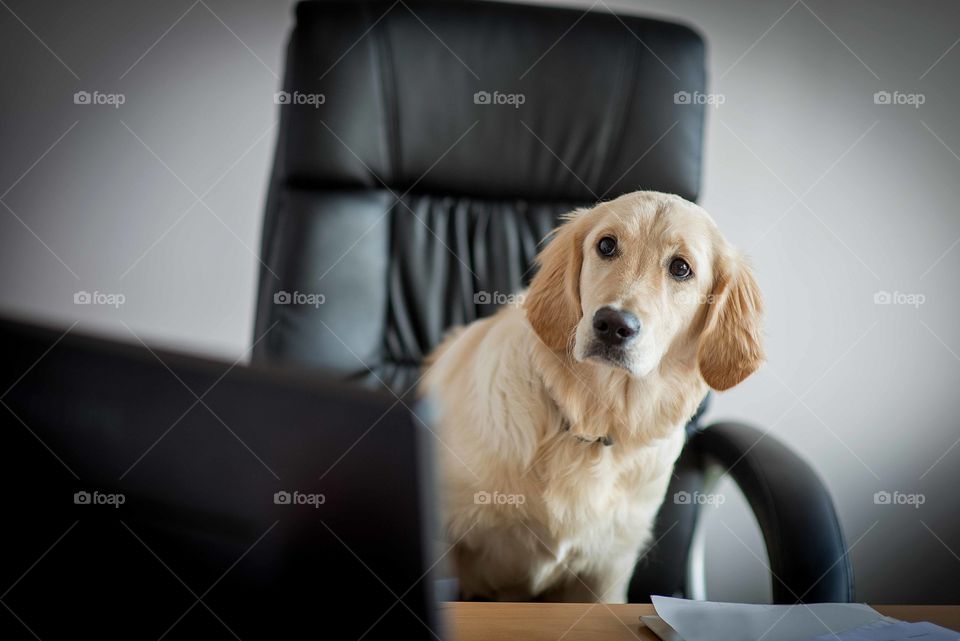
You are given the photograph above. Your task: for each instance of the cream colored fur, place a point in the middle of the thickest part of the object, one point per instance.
(524, 410)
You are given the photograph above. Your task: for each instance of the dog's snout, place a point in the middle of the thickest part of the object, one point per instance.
(615, 327)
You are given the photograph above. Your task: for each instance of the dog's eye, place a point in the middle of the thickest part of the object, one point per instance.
(607, 246)
(680, 269)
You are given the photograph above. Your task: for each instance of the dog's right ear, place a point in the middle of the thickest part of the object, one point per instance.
(553, 300)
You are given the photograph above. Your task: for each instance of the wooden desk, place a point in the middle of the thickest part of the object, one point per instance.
(599, 622)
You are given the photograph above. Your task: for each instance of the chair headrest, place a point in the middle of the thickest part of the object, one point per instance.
(491, 99)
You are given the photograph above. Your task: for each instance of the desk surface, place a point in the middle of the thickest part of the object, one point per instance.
(600, 622)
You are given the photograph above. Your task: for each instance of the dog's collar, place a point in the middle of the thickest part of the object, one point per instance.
(605, 439)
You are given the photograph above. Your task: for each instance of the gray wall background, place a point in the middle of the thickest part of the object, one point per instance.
(835, 197)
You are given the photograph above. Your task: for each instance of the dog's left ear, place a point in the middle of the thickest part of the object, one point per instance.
(731, 346)
(553, 300)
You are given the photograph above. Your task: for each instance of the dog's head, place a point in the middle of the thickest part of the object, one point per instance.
(624, 283)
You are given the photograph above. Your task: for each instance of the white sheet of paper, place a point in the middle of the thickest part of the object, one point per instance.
(924, 631)
(659, 627)
(710, 621)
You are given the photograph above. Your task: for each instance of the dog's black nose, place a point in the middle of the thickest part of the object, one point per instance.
(615, 327)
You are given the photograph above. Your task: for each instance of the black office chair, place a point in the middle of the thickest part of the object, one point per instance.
(449, 138)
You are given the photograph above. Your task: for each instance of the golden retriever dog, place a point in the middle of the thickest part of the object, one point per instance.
(561, 417)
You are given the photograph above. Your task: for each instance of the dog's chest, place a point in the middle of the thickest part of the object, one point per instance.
(588, 517)
(597, 497)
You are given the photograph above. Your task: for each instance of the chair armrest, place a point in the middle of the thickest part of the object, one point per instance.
(804, 541)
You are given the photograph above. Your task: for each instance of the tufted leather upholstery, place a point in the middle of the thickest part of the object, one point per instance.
(479, 185)
(415, 193)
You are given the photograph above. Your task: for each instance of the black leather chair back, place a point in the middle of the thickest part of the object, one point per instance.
(427, 147)
(400, 197)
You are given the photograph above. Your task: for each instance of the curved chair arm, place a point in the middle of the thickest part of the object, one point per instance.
(805, 544)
